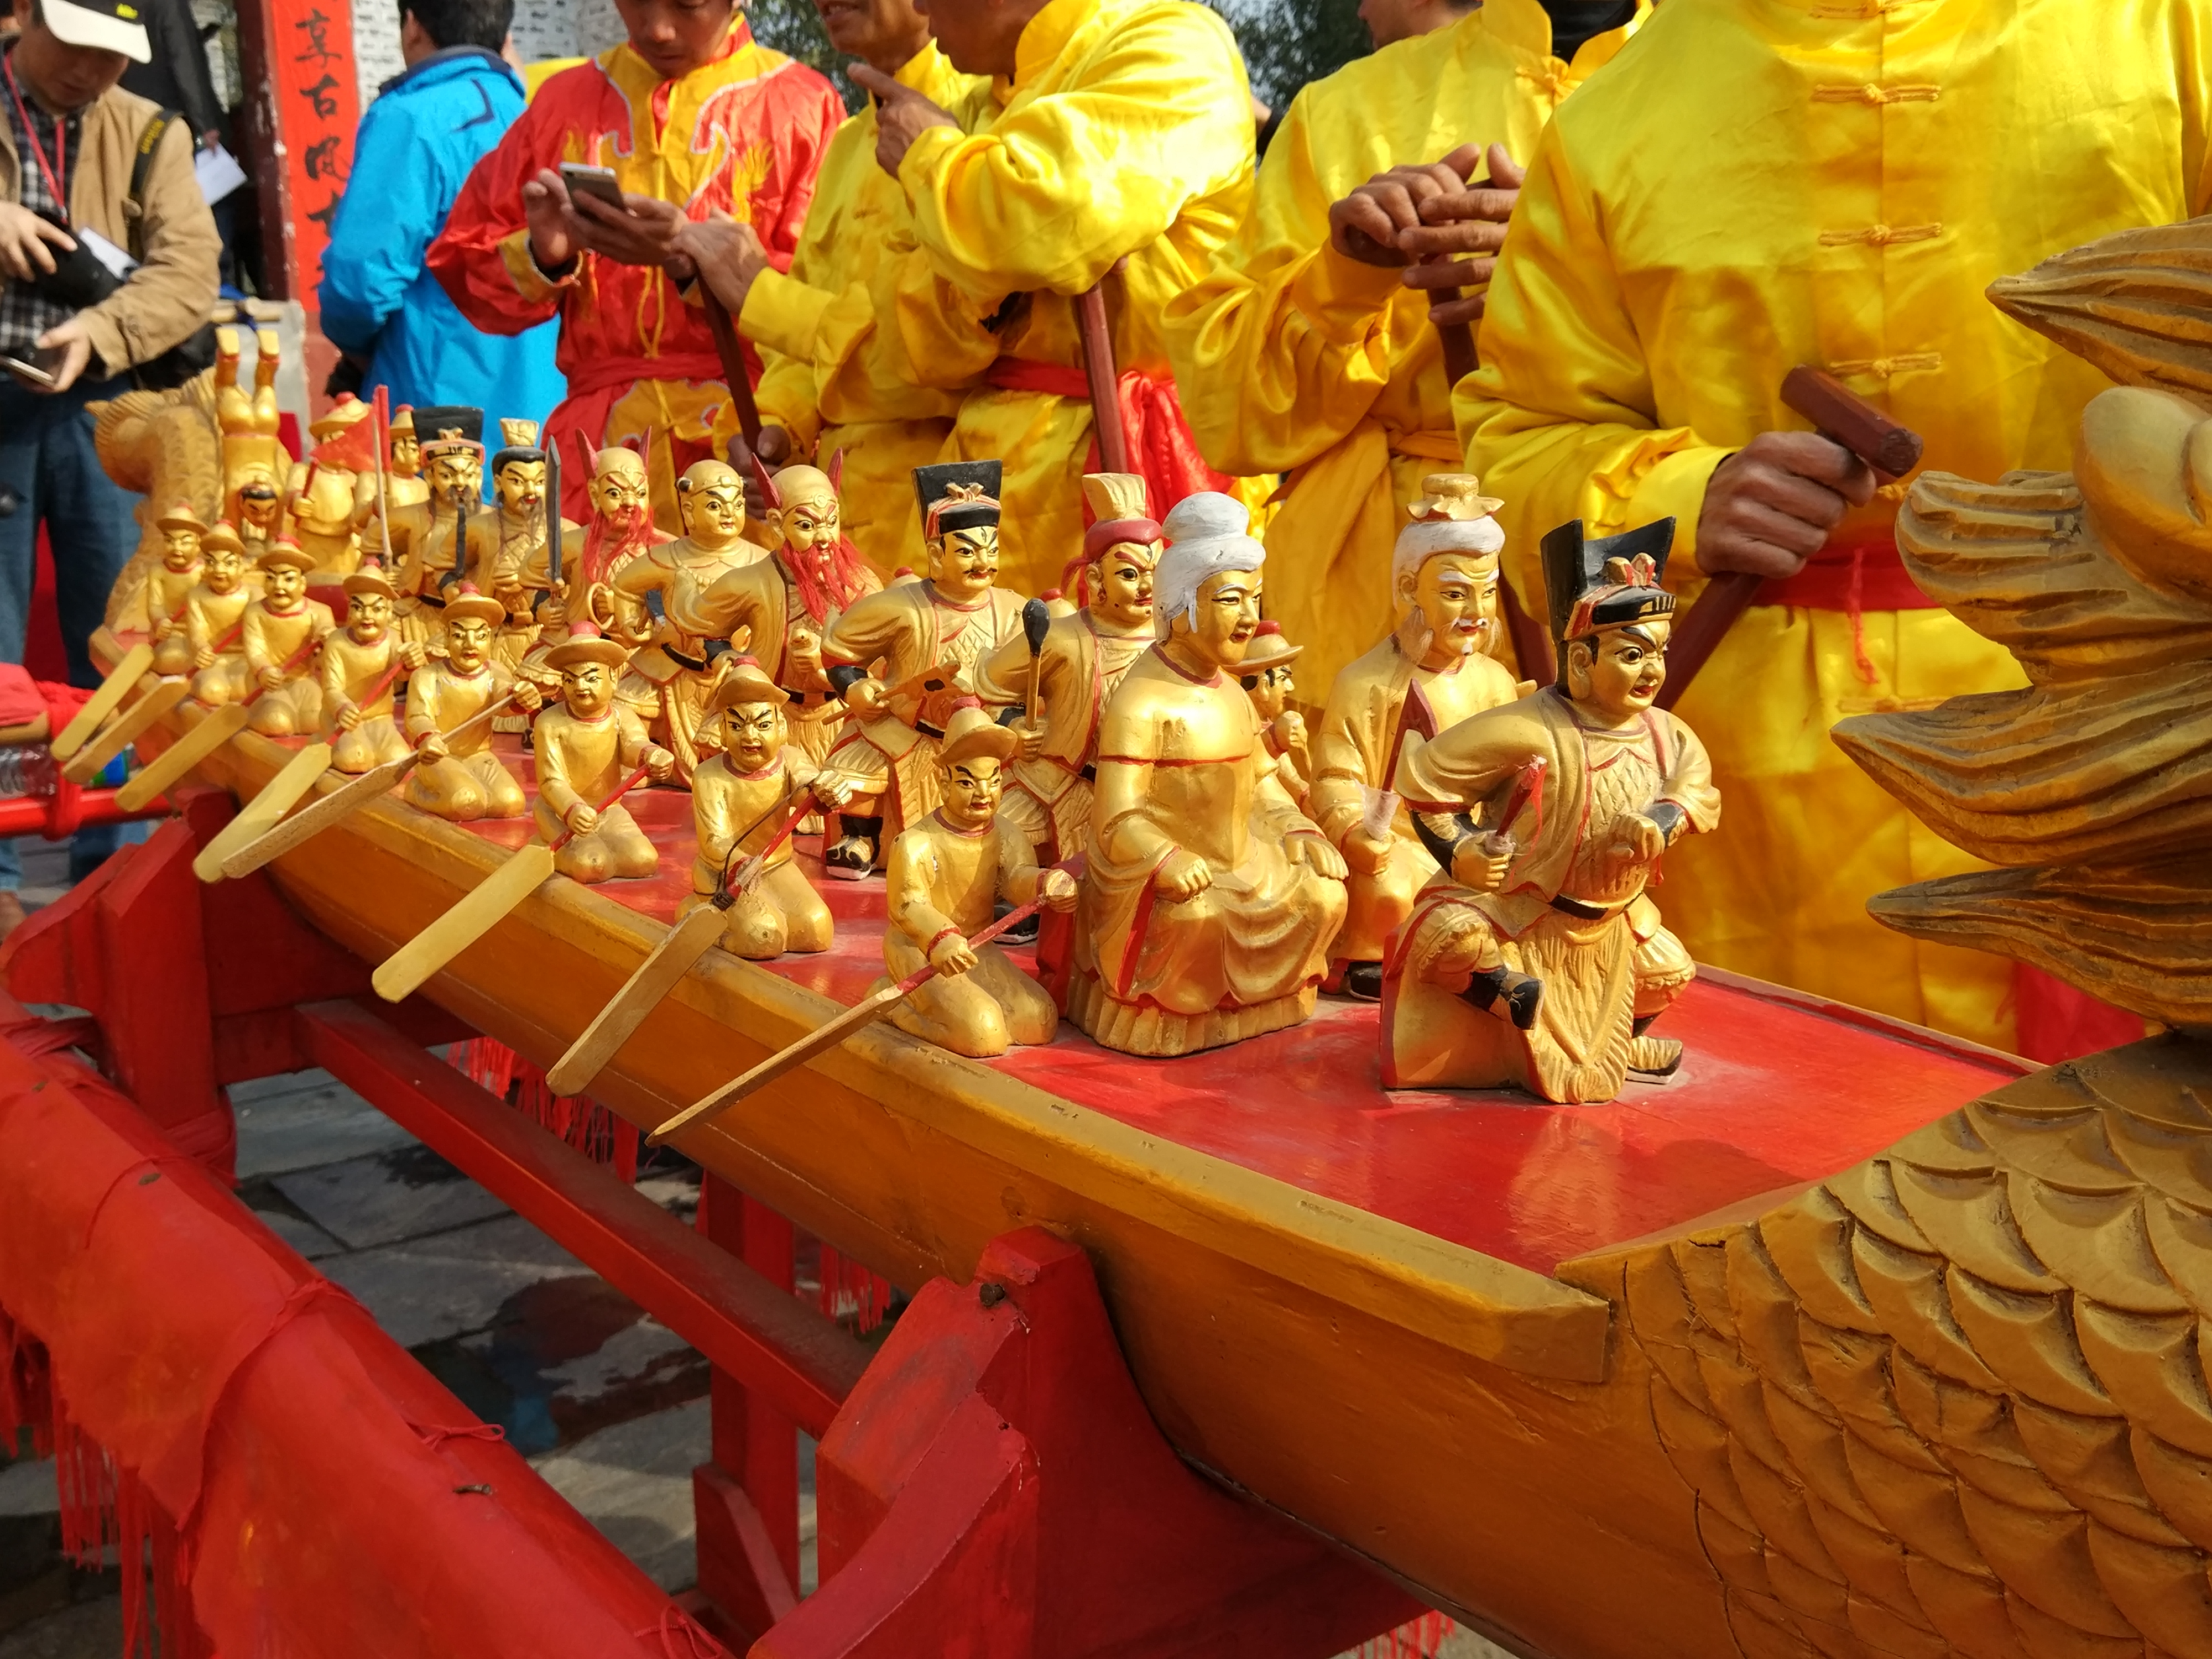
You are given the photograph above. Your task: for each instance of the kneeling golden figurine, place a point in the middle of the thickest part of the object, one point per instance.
(944, 874)
(585, 749)
(460, 777)
(1539, 960)
(744, 798)
(359, 664)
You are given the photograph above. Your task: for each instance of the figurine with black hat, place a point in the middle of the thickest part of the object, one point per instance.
(1536, 957)
(928, 637)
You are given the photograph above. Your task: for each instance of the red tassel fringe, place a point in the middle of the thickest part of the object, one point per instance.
(85, 1476)
(849, 1290)
(1419, 1639)
(581, 1122)
(26, 1390)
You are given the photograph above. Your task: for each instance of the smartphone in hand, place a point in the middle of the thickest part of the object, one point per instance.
(583, 180)
(41, 367)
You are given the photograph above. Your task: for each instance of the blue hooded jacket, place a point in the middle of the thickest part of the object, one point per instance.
(416, 145)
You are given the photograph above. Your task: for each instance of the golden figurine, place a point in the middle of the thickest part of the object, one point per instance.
(1084, 653)
(928, 636)
(215, 611)
(278, 635)
(741, 797)
(167, 587)
(1539, 960)
(509, 538)
(670, 677)
(1209, 900)
(622, 529)
(403, 483)
(1265, 674)
(945, 873)
(1432, 671)
(424, 548)
(253, 457)
(358, 668)
(327, 496)
(585, 748)
(466, 780)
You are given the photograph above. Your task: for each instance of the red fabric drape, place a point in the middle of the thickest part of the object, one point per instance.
(1161, 447)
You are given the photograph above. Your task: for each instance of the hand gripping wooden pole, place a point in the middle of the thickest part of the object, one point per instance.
(1840, 415)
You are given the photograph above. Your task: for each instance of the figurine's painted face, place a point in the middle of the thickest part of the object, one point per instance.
(181, 549)
(256, 506)
(1270, 690)
(589, 687)
(1618, 672)
(368, 616)
(1228, 616)
(753, 735)
(1456, 595)
(457, 476)
(618, 495)
(812, 526)
(714, 515)
(223, 570)
(521, 486)
(971, 792)
(964, 563)
(284, 586)
(468, 643)
(406, 455)
(1122, 582)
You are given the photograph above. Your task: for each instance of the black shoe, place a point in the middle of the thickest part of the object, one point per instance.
(1522, 995)
(1363, 980)
(1023, 932)
(851, 858)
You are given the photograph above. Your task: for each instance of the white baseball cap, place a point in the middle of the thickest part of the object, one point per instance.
(100, 25)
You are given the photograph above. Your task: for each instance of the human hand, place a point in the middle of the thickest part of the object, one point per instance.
(1314, 850)
(1480, 863)
(1182, 876)
(727, 255)
(903, 115)
(1365, 853)
(28, 243)
(546, 211)
(581, 820)
(952, 956)
(775, 450)
(659, 764)
(347, 717)
(1057, 890)
(1769, 507)
(1369, 224)
(642, 232)
(1455, 245)
(74, 340)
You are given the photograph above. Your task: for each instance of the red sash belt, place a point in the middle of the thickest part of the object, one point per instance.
(1161, 446)
(603, 374)
(1857, 571)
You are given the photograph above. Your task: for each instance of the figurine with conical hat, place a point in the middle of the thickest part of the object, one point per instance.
(403, 479)
(926, 638)
(427, 551)
(946, 873)
(622, 529)
(213, 612)
(585, 748)
(359, 666)
(1265, 674)
(670, 677)
(740, 797)
(1209, 900)
(1537, 959)
(1085, 652)
(461, 778)
(1433, 670)
(279, 634)
(326, 495)
(167, 585)
(781, 605)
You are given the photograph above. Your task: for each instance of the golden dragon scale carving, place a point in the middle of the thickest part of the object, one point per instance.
(1955, 1400)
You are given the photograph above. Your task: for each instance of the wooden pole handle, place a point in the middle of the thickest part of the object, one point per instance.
(733, 354)
(1099, 372)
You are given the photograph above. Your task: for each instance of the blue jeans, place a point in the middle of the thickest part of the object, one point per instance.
(52, 474)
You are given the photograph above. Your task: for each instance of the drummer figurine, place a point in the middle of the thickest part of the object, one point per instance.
(585, 749)
(1265, 674)
(1536, 956)
(279, 636)
(464, 780)
(169, 585)
(740, 796)
(358, 672)
(213, 612)
(945, 875)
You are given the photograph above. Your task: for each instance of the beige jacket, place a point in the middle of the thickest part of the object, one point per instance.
(174, 290)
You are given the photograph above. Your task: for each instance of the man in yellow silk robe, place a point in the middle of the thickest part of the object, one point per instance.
(1295, 358)
(1745, 190)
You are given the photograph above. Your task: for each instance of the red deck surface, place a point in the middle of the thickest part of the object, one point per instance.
(1772, 1094)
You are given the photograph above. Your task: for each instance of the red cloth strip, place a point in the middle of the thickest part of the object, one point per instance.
(1867, 558)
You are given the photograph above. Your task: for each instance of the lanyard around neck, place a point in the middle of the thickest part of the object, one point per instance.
(61, 139)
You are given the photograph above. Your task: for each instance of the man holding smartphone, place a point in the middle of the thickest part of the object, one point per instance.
(68, 331)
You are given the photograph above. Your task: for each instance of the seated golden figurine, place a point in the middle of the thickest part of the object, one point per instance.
(1430, 674)
(168, 585)
(327, 496)
(424, 546)
(944, 875)
(741, 795)
(1209, 900)
(279, 636)
(467, 780)
(621, 529)
(214, 611)
(1540, 960)
(1085, 652)
(585, 749)
(1265, 674)
(359, 665)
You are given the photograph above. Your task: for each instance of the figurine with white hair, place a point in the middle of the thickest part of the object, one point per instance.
(1209, 900)
(1431, 672)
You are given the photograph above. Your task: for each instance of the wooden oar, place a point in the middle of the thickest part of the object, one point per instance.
(680, 949)
(316, 816)
(477, 912)
(104, 701)
(203, 740)
(280, 795)
(87, 763)
(826, 1036)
